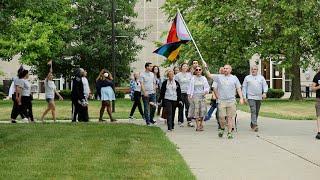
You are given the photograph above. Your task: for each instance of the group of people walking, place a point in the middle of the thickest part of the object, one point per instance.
(187, 89)
(20, 92)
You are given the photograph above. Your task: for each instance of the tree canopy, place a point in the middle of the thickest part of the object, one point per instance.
(37, 29)
(70, 33)
(286, 32)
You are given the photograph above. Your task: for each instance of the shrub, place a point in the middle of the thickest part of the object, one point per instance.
(275, 93)
(120, 94)
(66, 94)
(2, 95)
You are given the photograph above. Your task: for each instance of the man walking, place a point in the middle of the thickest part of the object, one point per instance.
(227, 86)
(316, 87)
(148, 87)
(254, 89)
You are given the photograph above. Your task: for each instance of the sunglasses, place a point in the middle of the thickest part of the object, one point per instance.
(198, 69)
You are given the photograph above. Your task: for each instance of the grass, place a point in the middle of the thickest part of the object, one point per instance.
(63, 109)
(88, 151)
(286, 109)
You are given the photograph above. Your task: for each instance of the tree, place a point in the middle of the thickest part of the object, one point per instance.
(93, 44)
(37, 29)
(222, 29)
(287, 32)
(290, 34)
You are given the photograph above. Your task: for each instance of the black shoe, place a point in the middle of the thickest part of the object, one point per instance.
(318, 135)
(101, 120)
(13, 121)
(251, 125)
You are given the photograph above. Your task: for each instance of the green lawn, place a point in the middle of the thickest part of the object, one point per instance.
(285, 109)
(88, 151)
(63, 108)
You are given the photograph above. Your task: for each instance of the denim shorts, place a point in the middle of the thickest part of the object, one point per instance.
(49, 99)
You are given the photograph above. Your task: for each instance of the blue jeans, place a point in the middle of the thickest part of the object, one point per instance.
(149, 110)
(209, 113)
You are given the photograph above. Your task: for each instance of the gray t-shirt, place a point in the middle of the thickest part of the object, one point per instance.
(184, 80)
(254, 86)
(18, 82)
(148, 80)
(226, 87)
(50, 88)
(26, 89)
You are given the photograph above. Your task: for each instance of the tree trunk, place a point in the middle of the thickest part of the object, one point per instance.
(296, 81)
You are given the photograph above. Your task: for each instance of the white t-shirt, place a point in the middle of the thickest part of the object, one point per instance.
(50, 88)
(86, 88)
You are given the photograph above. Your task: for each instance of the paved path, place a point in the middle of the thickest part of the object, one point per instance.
(282, 149)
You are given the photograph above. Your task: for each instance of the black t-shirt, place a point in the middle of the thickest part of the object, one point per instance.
(316, 80)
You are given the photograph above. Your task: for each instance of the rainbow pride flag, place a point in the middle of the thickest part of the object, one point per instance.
(178, 35)
(170, 50)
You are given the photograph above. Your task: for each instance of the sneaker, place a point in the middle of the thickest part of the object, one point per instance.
(221, 131)
(153, 104)
(13, 121)
(255, 128)
(25, 120)
(318, 135)
(230, 136)
(180, 124)
(190, 124)
(101, 120)
(131, 118)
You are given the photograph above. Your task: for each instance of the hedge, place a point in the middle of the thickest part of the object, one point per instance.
(275, 93)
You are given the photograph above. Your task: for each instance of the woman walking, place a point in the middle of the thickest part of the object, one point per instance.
(158, 80)
(105, 86)
(197, 90)
(135, 86)
(170, 97)
(184, 79)
(50, 91)
(26, 96)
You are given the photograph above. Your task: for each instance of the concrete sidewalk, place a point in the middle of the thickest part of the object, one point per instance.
(282, 149)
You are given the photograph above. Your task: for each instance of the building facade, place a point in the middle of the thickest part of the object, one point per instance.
(150, 16)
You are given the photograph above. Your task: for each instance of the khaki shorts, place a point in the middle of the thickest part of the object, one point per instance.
(318, 107)
(227, 109)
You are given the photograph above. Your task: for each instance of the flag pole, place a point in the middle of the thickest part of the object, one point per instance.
(191, 36)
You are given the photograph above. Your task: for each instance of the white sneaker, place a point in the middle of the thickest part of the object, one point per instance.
(190, 124)
(180, 124)
(153, 104)
(25, 120)
(131, 118)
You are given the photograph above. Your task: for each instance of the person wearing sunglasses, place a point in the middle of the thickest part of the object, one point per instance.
(197, 90)
(227, 86)
(254, 89)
